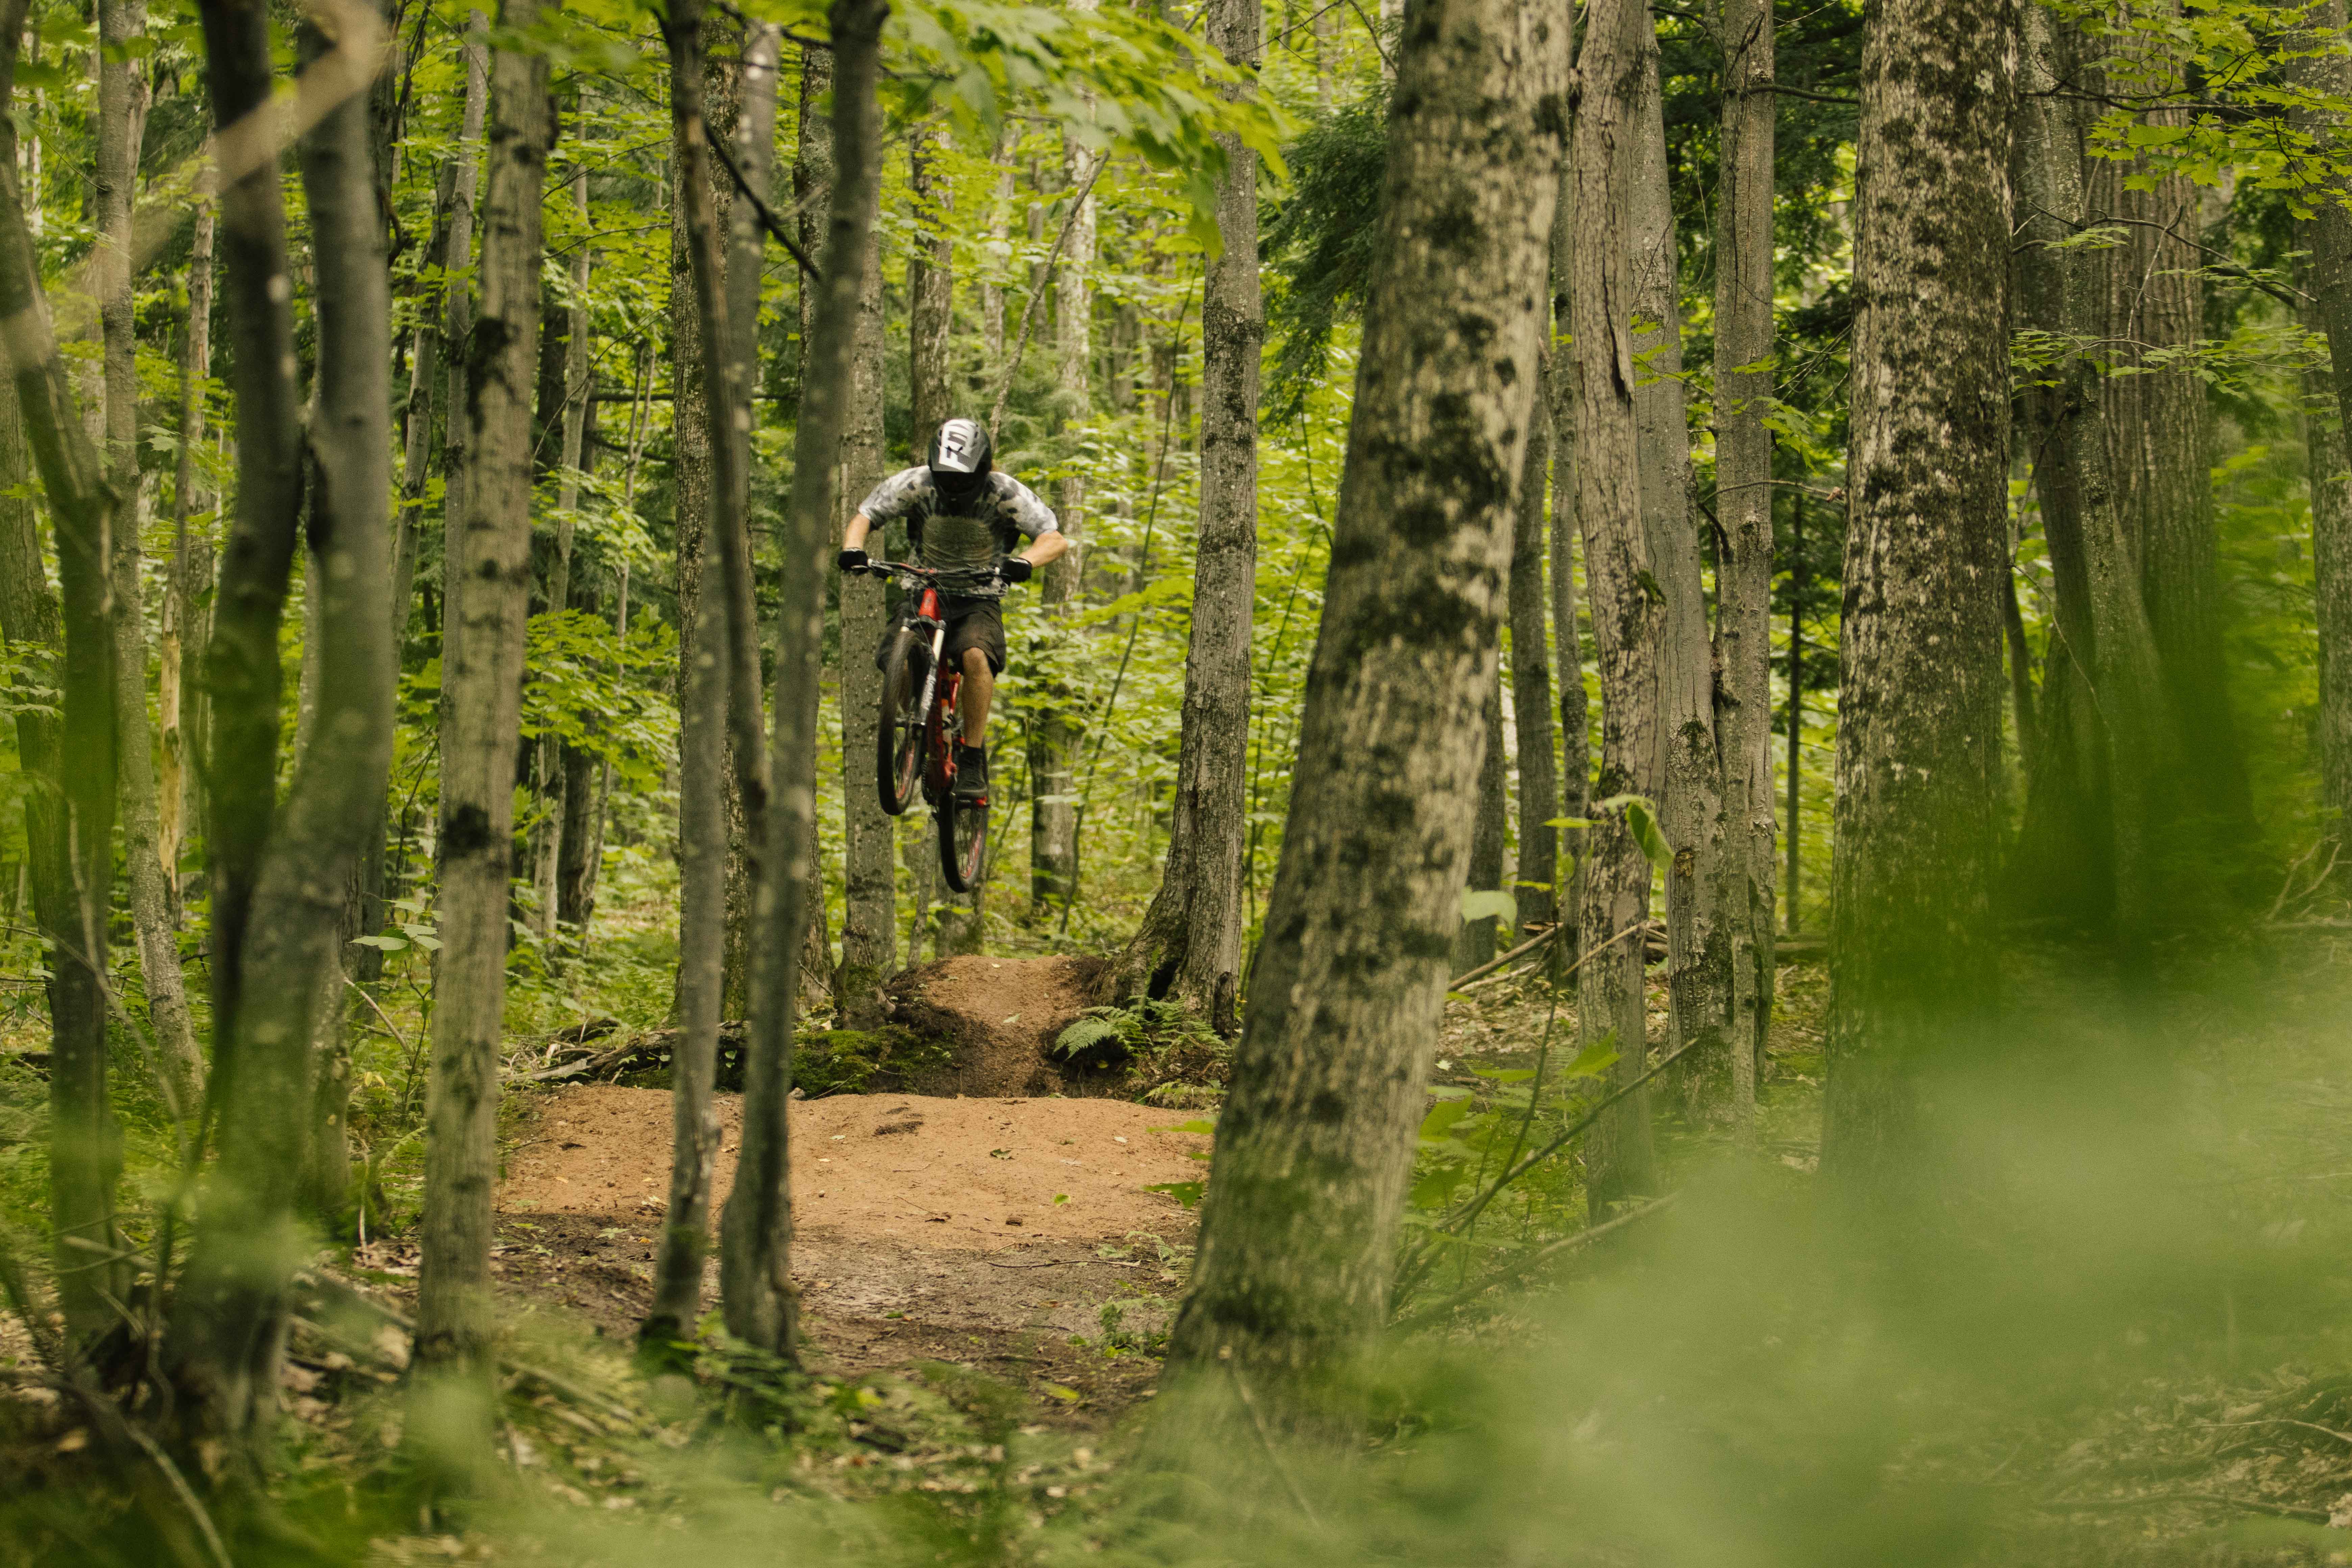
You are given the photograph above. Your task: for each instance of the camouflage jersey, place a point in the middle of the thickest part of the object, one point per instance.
(948, 538)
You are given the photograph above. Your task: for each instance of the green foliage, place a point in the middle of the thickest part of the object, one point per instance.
(853, 1061)
(1318, 242)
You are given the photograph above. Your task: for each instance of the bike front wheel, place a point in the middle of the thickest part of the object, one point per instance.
(963, 841)
(898, 729)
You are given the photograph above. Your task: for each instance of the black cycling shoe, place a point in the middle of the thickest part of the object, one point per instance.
(970, 774)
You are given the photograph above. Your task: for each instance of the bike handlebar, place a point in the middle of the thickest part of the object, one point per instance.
(975, 574)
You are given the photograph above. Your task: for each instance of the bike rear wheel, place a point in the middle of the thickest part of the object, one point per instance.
(963, 841)
(899, 733)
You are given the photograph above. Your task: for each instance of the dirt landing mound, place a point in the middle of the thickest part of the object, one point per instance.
(999, 1016)
(969, 1174)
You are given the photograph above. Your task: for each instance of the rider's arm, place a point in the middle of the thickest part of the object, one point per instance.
(1047, 547)
(853, 536)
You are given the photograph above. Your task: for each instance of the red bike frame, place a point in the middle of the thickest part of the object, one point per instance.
(937, 701)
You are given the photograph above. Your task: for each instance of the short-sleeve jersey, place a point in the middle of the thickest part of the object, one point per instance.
(947, 537)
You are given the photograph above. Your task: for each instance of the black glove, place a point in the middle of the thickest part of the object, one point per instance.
(1015, 570)
(850, 559)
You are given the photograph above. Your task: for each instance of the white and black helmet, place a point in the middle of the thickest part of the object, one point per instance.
(960, 457)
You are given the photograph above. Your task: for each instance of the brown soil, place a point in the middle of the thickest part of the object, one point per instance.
(982, 1174)
(999, 1016)
(925, 1229)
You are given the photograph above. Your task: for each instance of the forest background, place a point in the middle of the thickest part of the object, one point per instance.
(1044, 226)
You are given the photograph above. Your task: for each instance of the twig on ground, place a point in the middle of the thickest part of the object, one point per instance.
(2157, 1500)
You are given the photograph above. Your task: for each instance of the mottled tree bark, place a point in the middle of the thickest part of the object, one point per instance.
(2149, 312)
(459, 289)
(232, 1312)
(1717, 1082)
(1918, 743)
(2102, 623)
(1744, 381)
(930, 285)
(1561, 384)
(755, 1278)
(1538, 870)
(188, 605)
(154, 914)
(481, 735)
(1475, 944)
(1189, 944)
(2327, 234)
(242, 660)
(869, 925)
(1315, 1149)
(1627, 619)
(71, 832)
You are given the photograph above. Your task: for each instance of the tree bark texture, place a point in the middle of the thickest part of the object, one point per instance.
(2327, 234)
(232, 1313)
(481, 735)
(1315, 1147)
(869, 926)
(1189, 944)
(1537, 872)
(187, 607)
(1056, 732)
(154, 915)
(755, 1279)
(1744, 381)
(242, 660)
(1918, 743)
(70, 829)
(1717, 1083)
(1562, 384)
(459, 288)
(1490, 827)
(2115, 801)
(2150, 315)
(1627, 617)
(930, 285)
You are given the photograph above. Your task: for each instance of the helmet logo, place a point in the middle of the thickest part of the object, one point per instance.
(957, 439)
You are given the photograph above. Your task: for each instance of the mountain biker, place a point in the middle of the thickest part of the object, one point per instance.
(962, 515)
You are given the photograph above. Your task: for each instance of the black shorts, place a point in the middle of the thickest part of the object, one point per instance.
(971, 623)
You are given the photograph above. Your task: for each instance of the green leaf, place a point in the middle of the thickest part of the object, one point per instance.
(1185, 1193)
(1593, 1059)
(1441, 1117)
(1506, 1075)
(1491, 904)
(1645, 832)
(1205, 1127)
(1067, 1395)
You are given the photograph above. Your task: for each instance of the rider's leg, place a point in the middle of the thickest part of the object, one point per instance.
(978, 685)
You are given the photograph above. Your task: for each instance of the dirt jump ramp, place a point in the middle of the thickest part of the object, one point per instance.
(998, 1018)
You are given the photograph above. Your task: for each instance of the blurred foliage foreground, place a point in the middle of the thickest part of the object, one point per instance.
(2107, 1324)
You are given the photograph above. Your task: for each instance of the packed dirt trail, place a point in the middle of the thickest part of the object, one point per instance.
(989, 1230)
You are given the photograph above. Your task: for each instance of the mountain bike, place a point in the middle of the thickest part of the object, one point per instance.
(922, 719)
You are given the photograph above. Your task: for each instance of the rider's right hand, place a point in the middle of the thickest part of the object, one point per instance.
(850, 559)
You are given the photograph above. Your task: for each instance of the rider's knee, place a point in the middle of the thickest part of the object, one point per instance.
(975, 663)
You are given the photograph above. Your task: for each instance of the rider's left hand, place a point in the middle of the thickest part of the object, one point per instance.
(1015, 570)
(850, 559)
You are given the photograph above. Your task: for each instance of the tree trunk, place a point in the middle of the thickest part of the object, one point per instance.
(1627, 622)
(991, 292)
(1537, 873)
(481, 734)
(2327, 234)
(1315, 1151)
(1918, 740)
(1189, 944)
(869, 926)
(187, 618)
(242, 661)
(69, 832)
(231, 1315)
(1794, 883)
(154, 916)
(1561, 386)
(1056, 732)
(1474, 942)
(457, 303)
(930, 285)
(1717, 1082)
(2102, 626)
(755, 1278)
(1745, 380)
(2159, 429)
(571, 768)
